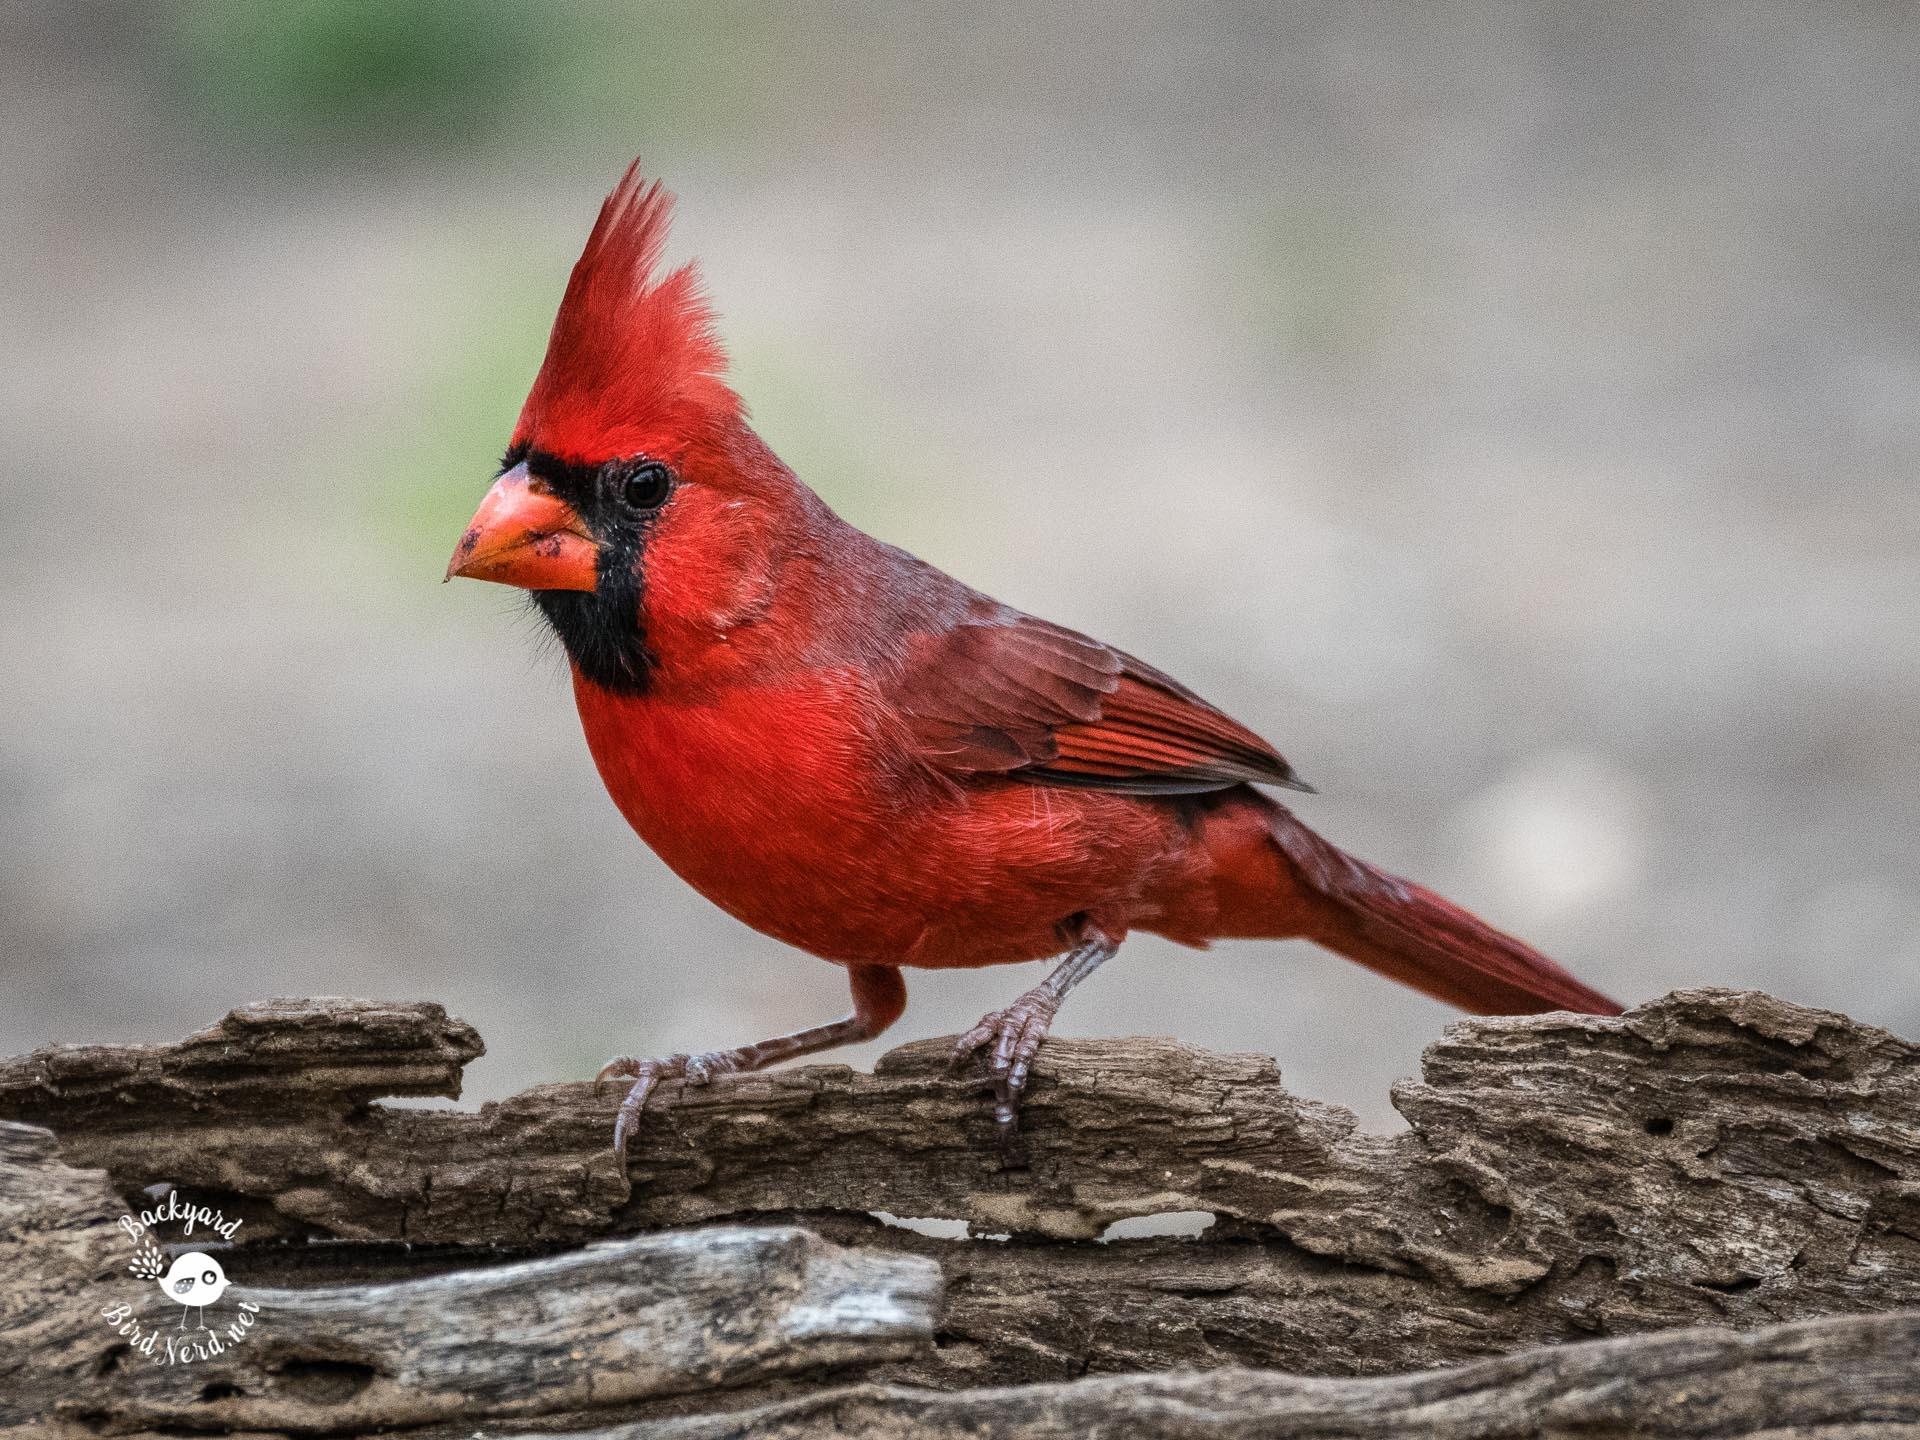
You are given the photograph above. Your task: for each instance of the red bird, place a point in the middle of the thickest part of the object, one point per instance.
(858, 754)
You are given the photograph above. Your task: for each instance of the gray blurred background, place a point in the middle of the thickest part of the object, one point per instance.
(1511, 411)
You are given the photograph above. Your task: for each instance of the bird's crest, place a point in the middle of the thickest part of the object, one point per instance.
(632, 357)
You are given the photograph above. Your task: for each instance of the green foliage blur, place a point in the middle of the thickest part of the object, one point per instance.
(341, 66)
(446, 73)
(322, 83)
(422, 471)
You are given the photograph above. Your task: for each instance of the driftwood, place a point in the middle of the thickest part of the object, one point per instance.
(663, 1314)
(1711, 1159)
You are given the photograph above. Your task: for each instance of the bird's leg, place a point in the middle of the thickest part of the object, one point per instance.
(879, 995)
(1015, 1033)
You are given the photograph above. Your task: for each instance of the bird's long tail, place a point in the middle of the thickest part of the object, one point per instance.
(1275, 878)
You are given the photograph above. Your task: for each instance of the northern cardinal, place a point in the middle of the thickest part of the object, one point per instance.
(864, 757)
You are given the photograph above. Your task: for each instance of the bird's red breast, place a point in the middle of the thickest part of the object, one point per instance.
(801, 806)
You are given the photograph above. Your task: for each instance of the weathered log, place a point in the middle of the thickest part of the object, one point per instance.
(1712, 1157)
(572, 1337)
(685, 1311)
(1851, 1379)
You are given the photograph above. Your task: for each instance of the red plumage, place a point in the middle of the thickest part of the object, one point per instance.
(630, 354)
(858, 754)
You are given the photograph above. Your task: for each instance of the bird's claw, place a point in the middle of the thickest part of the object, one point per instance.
(646, 1074)
(1014, 1035)
(622, 1067)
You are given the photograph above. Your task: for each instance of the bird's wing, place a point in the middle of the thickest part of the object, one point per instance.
(1015, 696)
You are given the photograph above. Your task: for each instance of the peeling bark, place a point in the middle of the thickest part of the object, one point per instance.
(1829, 1379)
(664, 1314)
(1713, 1158)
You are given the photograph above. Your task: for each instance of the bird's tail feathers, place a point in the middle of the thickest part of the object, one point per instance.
(1403, 930)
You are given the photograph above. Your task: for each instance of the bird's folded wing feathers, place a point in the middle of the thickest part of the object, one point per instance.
(1033, 701)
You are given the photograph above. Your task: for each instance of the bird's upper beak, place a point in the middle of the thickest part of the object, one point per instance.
(523, 534)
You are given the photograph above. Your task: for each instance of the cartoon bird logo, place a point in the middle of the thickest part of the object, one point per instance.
(194, 1282)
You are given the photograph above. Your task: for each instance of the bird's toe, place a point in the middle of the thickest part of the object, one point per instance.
(972, 1043)
(645, 1074)
(1012, 1038)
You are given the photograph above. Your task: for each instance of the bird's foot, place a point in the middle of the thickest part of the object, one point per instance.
(645, 1074)
(1014, 1035)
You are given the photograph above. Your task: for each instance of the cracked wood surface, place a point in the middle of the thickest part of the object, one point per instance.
(1711, 1158)
(91, 1349)
(1830, 1379)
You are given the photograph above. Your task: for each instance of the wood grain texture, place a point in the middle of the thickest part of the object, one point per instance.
(1826, 1379)
(685, 1311)
(1713, 1158)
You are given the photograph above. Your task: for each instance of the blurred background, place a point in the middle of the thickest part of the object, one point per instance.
(1513, 411)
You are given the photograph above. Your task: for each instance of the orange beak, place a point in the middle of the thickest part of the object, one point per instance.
(523, 534)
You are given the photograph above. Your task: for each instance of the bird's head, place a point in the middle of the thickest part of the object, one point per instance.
(633, 500)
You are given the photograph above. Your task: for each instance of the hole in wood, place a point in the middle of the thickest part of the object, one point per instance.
(1185, 1223)
(930, 1225)
(322, 1381)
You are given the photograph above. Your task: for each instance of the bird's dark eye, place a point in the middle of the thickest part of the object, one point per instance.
(646, 487)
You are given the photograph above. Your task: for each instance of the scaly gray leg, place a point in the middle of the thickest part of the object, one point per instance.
(1015, 1033)
(879, 995)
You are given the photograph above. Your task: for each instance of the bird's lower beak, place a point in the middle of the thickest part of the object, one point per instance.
(523, 534)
